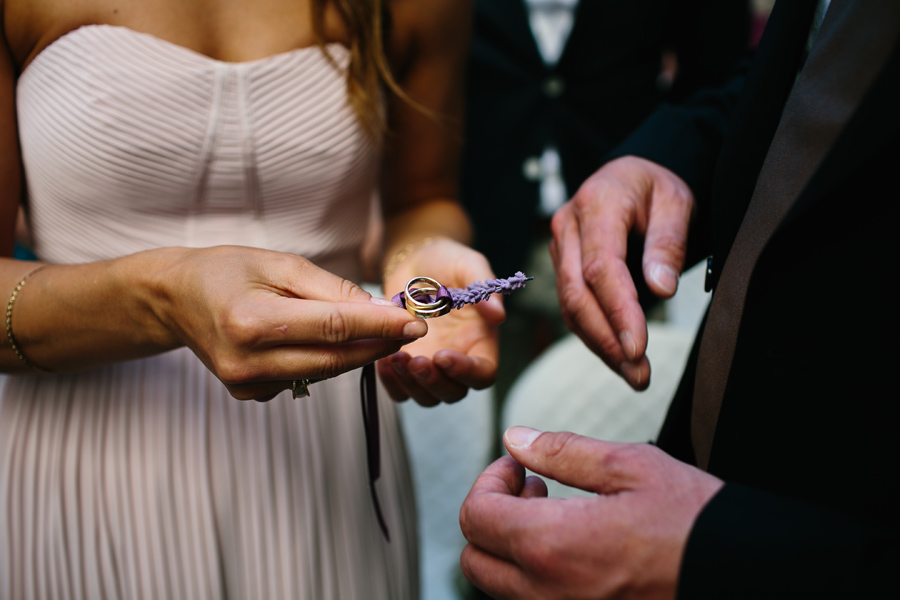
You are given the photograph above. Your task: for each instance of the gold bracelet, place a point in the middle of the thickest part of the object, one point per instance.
(401, 255)
(9, 307)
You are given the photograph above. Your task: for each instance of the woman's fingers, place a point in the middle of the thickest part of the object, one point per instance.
(261, 375)
(402, 384)
(281, 320)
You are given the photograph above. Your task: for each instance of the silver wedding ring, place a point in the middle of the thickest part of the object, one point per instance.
(300, 388)
(419, 299)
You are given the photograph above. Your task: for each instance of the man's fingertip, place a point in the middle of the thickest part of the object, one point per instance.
(520, 438)
(637, 374)
(664, 278)
(629, 347)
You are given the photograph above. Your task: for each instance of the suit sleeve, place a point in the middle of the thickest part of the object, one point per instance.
(711, 40)
(686, 138)
(747, 543)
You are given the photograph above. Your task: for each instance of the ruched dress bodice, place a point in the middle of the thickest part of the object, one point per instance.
(146, 479)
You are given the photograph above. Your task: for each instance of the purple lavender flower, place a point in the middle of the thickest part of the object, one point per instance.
(481, 290)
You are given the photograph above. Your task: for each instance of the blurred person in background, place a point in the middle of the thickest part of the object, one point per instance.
(552, 87)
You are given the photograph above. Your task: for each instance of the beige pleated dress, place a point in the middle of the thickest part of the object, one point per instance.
(146, 479)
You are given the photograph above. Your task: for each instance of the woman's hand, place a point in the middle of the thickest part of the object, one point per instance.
(460, 350)
(260, 319)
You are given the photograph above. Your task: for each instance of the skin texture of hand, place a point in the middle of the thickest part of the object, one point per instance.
(590, 235)
(460, 350)
(625, 542)
(260, 319)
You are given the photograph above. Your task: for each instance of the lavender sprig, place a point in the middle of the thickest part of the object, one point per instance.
(481, 290)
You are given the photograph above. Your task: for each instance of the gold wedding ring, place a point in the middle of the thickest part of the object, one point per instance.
(422, 301)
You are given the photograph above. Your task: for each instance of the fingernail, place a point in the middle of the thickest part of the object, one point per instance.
(628, 345)
(633, 373)
(381, 301)
(520, 437)
(665, 278)
(416, 329)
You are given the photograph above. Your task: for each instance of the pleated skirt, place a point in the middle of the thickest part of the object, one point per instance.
(148, 480)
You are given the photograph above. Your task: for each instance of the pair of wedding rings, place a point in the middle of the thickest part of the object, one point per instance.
(425, 301)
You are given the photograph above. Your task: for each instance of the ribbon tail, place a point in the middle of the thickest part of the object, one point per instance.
(369, 397)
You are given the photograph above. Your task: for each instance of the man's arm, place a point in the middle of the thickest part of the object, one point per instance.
(747, 543)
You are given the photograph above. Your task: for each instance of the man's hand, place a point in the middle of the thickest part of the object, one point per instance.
(626, 542)
(590, 236)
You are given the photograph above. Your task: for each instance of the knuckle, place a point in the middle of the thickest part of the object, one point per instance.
(333, 327)
(560, 219)
(465, 518)
(295, 263)
(596, 266)
(472, 507)
(331, 364)
(232, 371)
(587, 196)
(539, 557)
(682, 195)
(572, 300)
(611, 349)
(348, 290)
(240, 327)
(557, 444)
(617, 315)
(669, 245)
(469, 565)
(620, 459)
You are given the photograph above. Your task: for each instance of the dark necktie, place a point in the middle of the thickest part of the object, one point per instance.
(852, 44)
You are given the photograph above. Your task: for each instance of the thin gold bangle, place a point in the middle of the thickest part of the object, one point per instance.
(9, 333)
(401, 255)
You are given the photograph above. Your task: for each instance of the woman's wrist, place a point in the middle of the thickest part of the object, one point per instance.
(404, 253)
(10, 304)
(70, 317)
(153, 280)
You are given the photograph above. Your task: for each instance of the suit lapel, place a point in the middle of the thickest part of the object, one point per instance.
(854, 45)
(872, 125)
(755, 121)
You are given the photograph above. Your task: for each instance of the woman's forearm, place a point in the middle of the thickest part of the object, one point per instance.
(69, 317)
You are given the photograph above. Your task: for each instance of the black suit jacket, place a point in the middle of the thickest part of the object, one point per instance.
(603, 87)
(805, 438)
